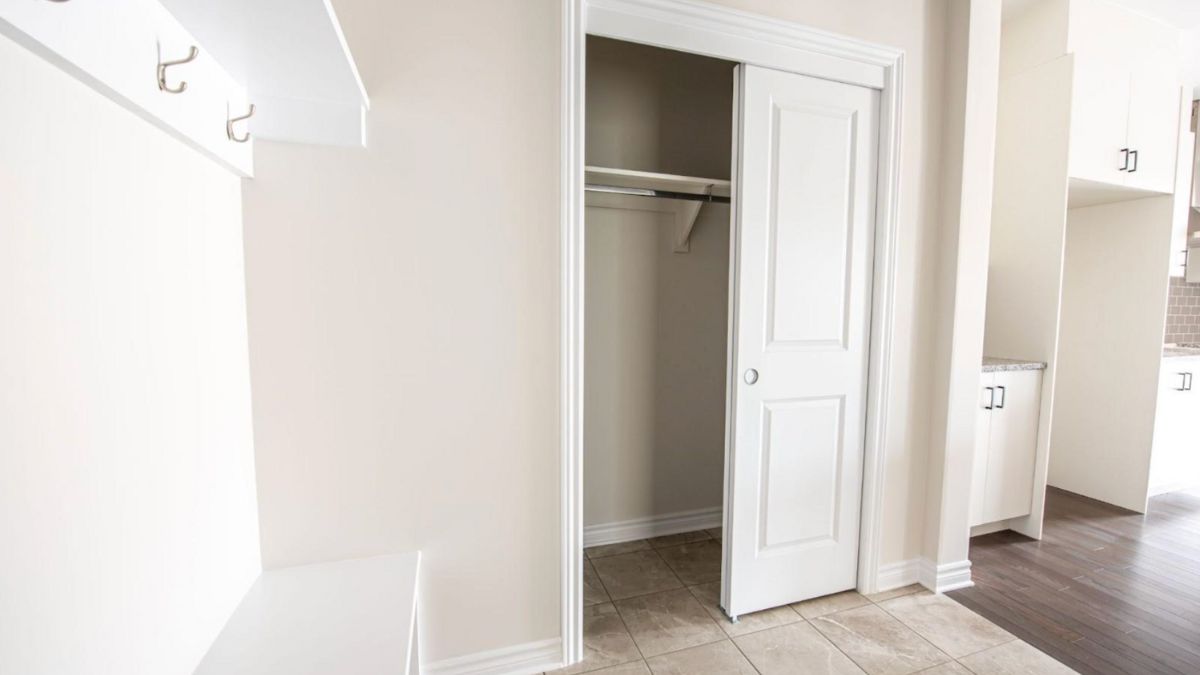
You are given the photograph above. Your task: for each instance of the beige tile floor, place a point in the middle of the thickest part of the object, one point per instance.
(651, 608)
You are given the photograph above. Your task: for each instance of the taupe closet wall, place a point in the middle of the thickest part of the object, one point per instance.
(656, 321)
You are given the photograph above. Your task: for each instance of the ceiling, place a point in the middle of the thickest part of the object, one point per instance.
(1183, 14)
(1179, 13)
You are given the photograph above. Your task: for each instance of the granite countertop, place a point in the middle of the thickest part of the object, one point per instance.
(991, 364)
(1180, 351)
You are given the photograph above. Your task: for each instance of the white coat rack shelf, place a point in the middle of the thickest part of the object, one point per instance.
(195, 68)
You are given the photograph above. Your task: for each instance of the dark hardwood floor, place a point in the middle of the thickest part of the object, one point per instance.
(1105, 591)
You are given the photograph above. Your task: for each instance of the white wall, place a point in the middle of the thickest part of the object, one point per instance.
(1110, 349)
(127, 497)
(654, 109)
(1035, 32)
(656, 357)
(1189, 60)
(404, 308)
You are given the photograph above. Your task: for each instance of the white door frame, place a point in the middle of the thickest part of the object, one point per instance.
(711, 30)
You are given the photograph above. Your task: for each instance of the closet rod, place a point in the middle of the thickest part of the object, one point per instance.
(647, 192)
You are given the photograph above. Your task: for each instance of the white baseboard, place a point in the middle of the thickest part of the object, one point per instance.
(898, 574)
(1164, 488)
(988, 528)
(654, 526)
(531, 657)
(939, 579)
(946, 577)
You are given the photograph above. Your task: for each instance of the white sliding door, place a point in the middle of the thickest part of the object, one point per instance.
(805, 215)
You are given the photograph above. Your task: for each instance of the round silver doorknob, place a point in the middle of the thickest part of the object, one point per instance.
(751, 376)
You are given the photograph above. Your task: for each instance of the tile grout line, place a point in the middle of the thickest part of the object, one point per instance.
(742, 652)
(683, 586)
(671, 570)
(914, 631)
(980, 651)
(832, 643)
(955, 659)
(631, 638)
(604, 586)
(620, 618)
(725, 636)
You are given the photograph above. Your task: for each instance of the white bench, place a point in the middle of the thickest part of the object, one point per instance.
(356, 617)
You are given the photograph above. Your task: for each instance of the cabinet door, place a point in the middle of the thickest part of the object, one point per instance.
(1174, 462)
(1154, 105)
(1099, 121)
(1181, 212)
(979, 463)
(1012, 445)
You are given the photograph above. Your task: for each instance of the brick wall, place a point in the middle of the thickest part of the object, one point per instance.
(1183, 313)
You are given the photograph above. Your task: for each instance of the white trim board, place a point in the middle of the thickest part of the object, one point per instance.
(653, 526)
(948, 577)
(721, 32)
(523, 659)
(988, 528)
(898, 575)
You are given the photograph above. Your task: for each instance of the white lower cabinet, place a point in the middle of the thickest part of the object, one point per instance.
(1006, 437)
(1175, 460)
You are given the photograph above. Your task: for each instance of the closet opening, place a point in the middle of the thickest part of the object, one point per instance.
(727, 323)
(657, 244)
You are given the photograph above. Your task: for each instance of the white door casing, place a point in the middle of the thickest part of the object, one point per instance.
(805, 223)
(742, 37)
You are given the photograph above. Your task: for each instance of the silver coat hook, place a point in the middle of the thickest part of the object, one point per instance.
(162, 72)
(233, 120)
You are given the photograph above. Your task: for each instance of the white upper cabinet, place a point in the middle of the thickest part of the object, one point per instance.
(1125, 96)
(1124, 127)
(1099, 124)
(1153, 137)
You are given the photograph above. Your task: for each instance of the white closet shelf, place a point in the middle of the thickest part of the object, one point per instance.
(355, 617)
(685, 211)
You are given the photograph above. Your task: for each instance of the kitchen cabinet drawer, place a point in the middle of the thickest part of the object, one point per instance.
(1006, 436)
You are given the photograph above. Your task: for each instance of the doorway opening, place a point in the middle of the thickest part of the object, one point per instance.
(818, 115)
(726, 407)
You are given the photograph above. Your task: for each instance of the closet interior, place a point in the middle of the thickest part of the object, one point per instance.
(657, 219)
